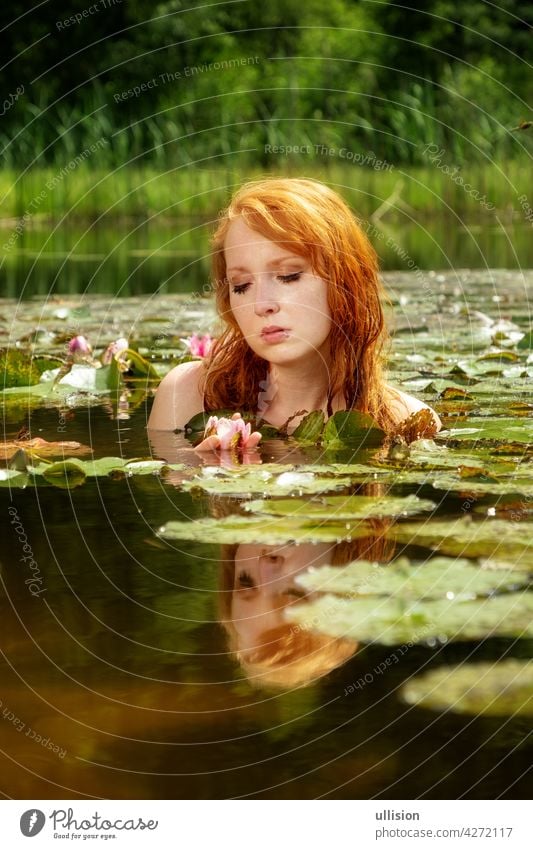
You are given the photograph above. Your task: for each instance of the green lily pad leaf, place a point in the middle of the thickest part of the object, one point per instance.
(352, 426)
(14, 478)
(392, 621)
(17, 368)
(467, 538)
(454, 393)
(503, 688)
(138, 365)
(279, 530)
(66, 474)
(146, 467)
(101, 467)
(90, 379)
(267, 479)
(427, 454)
(310, 428)
(506, 356)
(440, 577)
(526, 342)
(340, 507)
(478, 429)
(489, 486)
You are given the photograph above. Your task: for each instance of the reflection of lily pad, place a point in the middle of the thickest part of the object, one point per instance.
(440, 577)
(338, 507)
(494, 689)
(467, 538)
(393, 621)
(349, 427)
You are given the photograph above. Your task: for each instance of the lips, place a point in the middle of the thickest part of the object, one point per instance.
(273, 333)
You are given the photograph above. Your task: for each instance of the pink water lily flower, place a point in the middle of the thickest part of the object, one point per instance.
(200, 346)
(79, 346)
(113, 349)
(232, 433)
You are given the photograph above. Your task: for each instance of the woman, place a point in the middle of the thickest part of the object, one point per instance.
(296, 283)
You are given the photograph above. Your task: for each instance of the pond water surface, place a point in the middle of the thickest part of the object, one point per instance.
(126, 671)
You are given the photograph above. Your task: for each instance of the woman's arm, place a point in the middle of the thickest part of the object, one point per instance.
(178, 398)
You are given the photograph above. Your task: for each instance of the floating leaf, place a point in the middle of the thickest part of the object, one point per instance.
(138, 366)
(417, 426)
(478, 429)
(241, 529)
(463, 537)
(526, 342)
(41, 447)
(339, 507)
(351, 426)
(66, 474)
(440, 577)
(502, 688)
(17, 368)
(310, 428)
(453, 393)
(393, 621)
(271, 479)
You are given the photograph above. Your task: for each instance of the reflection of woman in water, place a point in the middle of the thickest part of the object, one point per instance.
(296, 283)
(258, 584)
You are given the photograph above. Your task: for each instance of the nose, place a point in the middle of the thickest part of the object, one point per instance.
(265, 300)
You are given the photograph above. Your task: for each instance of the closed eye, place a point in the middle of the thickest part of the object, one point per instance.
(245, 581)
(288, 278)
(239, 288)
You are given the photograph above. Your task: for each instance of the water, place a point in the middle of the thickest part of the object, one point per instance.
(119, 679)
(133, 258)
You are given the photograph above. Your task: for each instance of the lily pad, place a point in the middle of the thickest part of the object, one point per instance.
(478, 429)
(349, 427)
(339, 507)
(310, 428)
(440, 577)
(467, 538)
(266, 479)
(393, 621)
(17, 368)
(503, 688)
(241, 529)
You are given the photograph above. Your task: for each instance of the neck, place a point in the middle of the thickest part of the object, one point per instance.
(289, 389)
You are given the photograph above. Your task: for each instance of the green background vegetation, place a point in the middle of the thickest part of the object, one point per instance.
(375, 77)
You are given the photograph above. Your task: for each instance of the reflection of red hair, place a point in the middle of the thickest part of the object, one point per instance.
(311, 220)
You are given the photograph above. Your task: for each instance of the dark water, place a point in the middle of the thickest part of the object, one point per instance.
(134, 257)
(121, 663)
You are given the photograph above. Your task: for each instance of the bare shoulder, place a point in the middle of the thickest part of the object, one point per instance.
(403, 405)
(179, 397)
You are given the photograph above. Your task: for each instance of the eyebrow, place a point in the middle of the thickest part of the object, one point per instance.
(273, 264)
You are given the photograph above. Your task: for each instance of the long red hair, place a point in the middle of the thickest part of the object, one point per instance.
(313, 221)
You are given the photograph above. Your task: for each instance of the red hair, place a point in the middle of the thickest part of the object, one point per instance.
(312, 221)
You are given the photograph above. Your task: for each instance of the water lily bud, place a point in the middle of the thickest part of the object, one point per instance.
(79, 345)
(200, 346)
(113, 349)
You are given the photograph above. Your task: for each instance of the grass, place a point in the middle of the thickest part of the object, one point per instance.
(143, 191)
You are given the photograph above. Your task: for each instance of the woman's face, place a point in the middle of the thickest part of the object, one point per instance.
(264, 585)
(280, 305)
